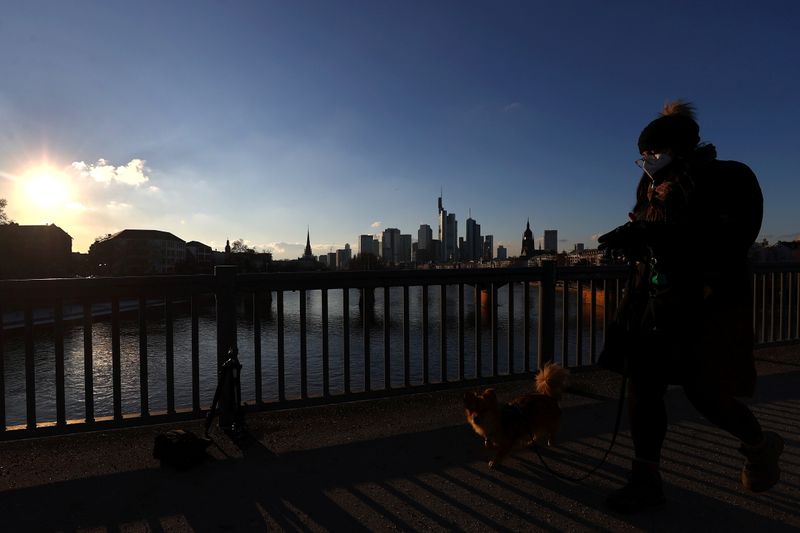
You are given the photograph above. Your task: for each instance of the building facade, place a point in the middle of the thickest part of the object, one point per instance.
(134, 252)
(390, 246)
(405, 248)
(473, 245)
(35, 252)
(448, 234)
(367, 245)
(551, 240)
(199, 255)
(343, 257)
(488, 247)
(424, 237)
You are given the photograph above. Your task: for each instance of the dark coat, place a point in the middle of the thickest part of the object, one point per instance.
(687, 311)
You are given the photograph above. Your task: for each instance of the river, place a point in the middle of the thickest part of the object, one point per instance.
(44, 357)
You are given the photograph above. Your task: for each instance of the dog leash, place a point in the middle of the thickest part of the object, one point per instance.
(578, 479)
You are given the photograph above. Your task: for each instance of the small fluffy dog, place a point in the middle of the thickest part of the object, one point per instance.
(529, 417)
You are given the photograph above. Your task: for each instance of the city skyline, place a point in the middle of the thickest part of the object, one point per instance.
(260, 120)
(376, 241)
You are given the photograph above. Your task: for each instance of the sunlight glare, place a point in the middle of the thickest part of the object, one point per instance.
(46, 188)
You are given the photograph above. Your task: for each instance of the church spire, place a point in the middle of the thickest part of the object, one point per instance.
(528, 246)
(308, 253)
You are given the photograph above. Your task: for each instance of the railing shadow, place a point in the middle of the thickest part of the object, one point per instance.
(435, 479)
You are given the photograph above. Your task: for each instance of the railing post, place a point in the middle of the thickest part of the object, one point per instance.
(225, 292)
(547, 313)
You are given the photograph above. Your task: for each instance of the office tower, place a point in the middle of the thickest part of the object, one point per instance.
(436, 249)
(502, 252)
(448, 233)
(442, 231)
(343, 257)
(366, 244)
(405, 249)
(579, 247)
(474, 248)
(551, 240)
(391, 246)
(332, 260)
(424, 237)
(488, 247)
(452, 237)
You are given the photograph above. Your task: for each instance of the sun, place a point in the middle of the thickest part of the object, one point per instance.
(46, 188)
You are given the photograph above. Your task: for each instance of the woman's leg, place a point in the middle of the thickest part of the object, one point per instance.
(724, 411)
(648, 417)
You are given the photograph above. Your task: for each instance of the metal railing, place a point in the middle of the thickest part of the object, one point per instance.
(548, 313)
(776, 303)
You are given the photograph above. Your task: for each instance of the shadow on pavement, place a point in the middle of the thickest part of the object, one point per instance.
(436, 479)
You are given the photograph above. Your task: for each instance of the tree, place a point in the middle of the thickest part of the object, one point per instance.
(3, 216)
(366, 261)
(239, 247)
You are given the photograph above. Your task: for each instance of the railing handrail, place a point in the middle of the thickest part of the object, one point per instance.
(20, 292)
(23, 291)
(776, 266)
(32, 291)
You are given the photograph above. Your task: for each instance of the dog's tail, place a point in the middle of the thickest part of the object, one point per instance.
(551, 379)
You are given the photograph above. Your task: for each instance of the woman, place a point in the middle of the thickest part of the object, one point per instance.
(688, 305)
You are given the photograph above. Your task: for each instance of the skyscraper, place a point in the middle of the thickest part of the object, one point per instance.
(404, 255)
(424, 237)
(448, 233)
(474, 248)
(452, 237)
(488, 247)
(343, 257)
(366, 245)
(442, 231)
(551, 240)
(391, 246)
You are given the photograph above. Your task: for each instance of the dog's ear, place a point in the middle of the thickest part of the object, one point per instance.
(489, 394)
(470, 400)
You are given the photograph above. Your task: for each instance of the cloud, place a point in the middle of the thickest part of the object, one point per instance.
(595, 236)
(376, 224)
(117, 206)
(514, 106)
(132, 173)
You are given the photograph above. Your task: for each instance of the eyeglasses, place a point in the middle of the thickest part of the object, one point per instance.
(647, 157)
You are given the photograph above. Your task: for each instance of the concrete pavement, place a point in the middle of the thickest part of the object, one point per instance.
(408, 463)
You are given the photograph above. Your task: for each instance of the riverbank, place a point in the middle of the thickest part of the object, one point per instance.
(404, 463)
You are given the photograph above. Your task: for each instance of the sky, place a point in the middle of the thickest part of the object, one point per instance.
(262, 120)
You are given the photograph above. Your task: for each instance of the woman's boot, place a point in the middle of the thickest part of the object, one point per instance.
(642, 491)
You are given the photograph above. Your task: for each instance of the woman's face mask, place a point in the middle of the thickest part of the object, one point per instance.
(652, 163)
